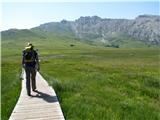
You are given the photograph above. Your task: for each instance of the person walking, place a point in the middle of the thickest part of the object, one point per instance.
(30, 63)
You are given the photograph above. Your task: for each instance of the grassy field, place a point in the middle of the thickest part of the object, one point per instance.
(106, 84)
(92, 83)
(11, 67)
(10, 87)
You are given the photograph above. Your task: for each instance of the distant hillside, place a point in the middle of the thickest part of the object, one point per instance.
(15, 34)
(145, 28)
(141, 31)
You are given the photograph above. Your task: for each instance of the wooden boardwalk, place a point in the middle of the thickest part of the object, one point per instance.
(42, 105)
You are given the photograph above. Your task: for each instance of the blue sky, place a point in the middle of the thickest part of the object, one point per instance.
(28, 15)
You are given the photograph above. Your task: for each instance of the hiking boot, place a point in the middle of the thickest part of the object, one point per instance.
(29, 94)
(35, 90)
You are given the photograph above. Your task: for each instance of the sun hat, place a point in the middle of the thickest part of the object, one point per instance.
(29, 46)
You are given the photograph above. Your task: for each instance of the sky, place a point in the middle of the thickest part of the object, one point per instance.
(25, 15)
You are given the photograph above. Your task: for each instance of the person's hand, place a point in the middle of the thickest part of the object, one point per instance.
(23, 65)
(38, 69)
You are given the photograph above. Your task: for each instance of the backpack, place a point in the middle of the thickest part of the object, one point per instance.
(29, 56)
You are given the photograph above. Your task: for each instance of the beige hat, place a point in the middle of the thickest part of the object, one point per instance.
(29, 46)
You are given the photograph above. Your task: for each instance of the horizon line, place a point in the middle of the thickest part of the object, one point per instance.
(75, 20)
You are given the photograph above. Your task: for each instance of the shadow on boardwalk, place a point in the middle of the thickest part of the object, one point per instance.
(46, 97)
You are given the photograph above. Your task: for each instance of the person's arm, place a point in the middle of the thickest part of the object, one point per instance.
(37, 62)
(23, 64)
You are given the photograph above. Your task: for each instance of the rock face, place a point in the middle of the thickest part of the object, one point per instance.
(145, 28)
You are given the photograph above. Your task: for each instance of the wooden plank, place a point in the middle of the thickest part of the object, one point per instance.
(42, 105)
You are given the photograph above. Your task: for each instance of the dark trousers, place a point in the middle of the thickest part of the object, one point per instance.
(30, 76)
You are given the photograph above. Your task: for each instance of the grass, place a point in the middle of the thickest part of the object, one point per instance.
(91, 82)
(106, 84)
(10, 86)
(11, 66)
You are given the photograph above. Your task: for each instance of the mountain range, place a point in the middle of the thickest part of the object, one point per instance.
(143, 30)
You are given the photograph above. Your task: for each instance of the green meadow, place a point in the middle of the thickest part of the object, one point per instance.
(91, 82)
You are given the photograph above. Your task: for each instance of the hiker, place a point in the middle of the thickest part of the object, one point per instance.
(30, 63)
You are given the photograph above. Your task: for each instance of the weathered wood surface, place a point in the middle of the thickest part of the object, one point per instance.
(41, 105)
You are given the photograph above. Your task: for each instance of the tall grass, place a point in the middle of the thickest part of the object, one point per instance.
(11, 66)
(10, 88)
(92, 83)
(10, 82)
(106, 84)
